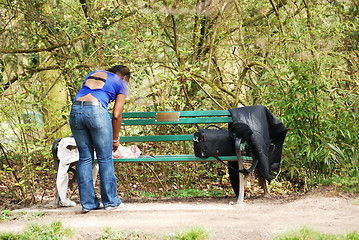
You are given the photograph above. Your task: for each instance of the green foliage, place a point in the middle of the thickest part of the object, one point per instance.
(183, 193)
(110, 234)
(319, 110)
(7, 215)
(195, 193)
(41, 232)
(342, 182)
(307, 233)
(195, 233)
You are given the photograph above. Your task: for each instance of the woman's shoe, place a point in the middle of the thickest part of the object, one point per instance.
(84, 210)
(111, 208)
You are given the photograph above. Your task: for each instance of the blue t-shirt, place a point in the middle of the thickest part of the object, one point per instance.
(114, 85)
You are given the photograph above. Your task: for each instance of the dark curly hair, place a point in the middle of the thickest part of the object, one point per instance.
(121, 69)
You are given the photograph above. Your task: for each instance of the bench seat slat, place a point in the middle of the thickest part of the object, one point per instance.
(163, 138)
(177, 158)
(156, 138)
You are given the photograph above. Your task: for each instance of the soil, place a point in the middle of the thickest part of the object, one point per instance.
(258, 218)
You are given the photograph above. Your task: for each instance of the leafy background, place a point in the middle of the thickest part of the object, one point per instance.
(298, 58)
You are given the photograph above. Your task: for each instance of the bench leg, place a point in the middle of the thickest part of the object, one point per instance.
(242, 178)
(242, 182)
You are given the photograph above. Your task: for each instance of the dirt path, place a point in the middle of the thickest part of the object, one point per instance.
(257, 219)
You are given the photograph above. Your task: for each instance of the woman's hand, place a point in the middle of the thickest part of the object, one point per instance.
(115, 146)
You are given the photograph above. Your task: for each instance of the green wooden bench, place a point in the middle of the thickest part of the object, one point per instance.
(173, 118)
(198, 118)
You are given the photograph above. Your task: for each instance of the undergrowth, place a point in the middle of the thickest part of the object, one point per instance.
(7, 215)
(56, 231)
(306, 233)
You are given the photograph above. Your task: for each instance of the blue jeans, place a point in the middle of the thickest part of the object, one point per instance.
(92, 129)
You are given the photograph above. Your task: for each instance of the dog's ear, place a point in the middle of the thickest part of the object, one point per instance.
(71, 147)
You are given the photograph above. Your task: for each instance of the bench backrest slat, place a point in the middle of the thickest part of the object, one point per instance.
(148, 121)
(182, 113)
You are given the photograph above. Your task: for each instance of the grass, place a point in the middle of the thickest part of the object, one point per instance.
(183, 193)
(195, 233)
(348, 182)
(110, 234)
(306, 233)
(7, 215)
(56, 231)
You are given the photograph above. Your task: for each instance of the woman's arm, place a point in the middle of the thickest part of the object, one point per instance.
(117, 119)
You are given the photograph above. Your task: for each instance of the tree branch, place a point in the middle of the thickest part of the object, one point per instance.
(83, 36)
(45, 48)
(208, 94)
(275, 8)
(212, 85)
(32, 71)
